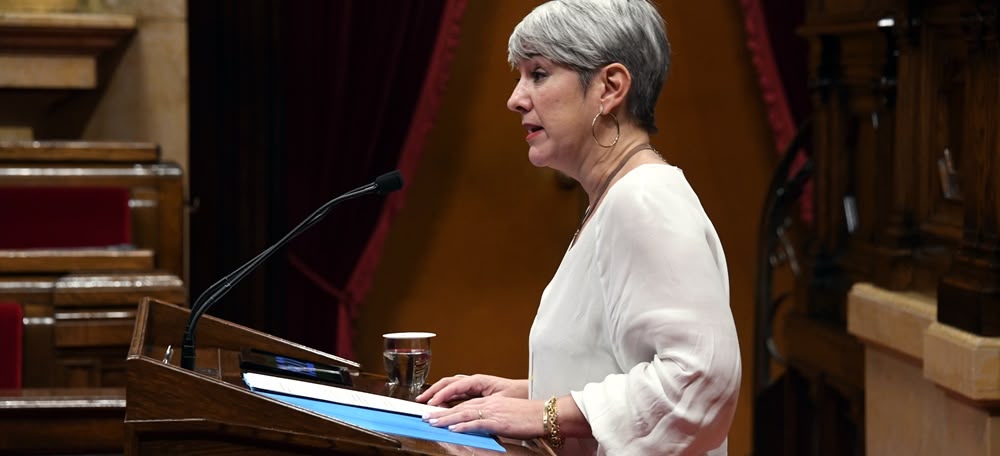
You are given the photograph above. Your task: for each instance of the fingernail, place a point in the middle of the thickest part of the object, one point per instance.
(425, 416)
(451, 428)
(433, 421)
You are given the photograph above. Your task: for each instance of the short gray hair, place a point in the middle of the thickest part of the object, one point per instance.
(587, 35)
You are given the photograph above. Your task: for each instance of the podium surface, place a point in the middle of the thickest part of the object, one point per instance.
(170, 410)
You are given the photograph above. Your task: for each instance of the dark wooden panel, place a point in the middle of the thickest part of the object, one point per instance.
(39, 361)
(78, 151)
(905, 111)
(78, 326)
(87, 290)
(97, 332)
(969, 294)
(62, 421)
(36, 261)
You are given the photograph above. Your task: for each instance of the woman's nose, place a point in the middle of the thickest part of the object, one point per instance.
(517, 102)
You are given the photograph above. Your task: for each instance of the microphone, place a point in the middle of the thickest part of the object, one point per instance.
(386, 183)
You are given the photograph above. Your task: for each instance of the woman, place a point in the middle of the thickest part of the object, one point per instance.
(633, 349)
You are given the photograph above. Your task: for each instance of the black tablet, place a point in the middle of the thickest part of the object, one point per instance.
(254, 360)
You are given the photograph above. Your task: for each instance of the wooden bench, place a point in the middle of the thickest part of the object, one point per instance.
(77, 326)
(155, 203)
(80, 280)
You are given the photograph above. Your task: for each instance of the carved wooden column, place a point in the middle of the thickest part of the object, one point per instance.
(969, 294)
(854, 66)
(864, 190)
(896, 235)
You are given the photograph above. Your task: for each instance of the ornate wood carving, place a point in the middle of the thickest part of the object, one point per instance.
(905, 120)
(906, 144)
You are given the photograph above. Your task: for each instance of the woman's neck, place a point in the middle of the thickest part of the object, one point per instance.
(598, 165)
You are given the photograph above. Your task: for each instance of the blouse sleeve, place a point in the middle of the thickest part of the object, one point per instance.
(666, 287)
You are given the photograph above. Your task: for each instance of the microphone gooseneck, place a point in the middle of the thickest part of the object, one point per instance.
(386, 183)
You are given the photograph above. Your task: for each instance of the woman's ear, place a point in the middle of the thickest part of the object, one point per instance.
(615, 83)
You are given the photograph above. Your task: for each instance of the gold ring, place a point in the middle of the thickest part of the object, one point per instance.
(480, 413)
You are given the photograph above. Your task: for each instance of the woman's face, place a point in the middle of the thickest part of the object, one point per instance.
(554, 112)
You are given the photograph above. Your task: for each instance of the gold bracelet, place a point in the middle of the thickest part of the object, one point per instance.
(550, 423)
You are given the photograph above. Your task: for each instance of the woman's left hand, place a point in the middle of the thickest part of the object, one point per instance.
(506, 416)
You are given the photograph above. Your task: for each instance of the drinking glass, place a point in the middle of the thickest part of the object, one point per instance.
(407, 358)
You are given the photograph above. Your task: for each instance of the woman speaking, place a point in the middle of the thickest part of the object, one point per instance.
(633, 349)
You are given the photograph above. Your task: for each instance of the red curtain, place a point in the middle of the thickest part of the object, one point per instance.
(779, 56)
(365, 95)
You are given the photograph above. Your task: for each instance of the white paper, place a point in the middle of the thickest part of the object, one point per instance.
(333, 394)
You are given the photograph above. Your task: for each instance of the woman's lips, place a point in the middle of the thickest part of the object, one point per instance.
(533, 133)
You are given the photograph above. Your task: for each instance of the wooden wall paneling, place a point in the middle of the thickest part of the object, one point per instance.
(94, 320)
(854, 71)
(936, 127)
(969, 294)
(38, 361)
(887, 102)
(77, 372)
(829, 117)
(90, 367)
(62, 421)
(945, 70)
(854, 122)
(170, 220)
(78, 326)
(93, 329)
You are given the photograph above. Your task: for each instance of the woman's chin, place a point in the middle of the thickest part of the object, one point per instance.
(540, 160)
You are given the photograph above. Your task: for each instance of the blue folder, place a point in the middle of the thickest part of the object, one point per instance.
(388, 422)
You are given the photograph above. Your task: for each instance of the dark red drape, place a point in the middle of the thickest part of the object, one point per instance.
(364, 93)
(779, 56)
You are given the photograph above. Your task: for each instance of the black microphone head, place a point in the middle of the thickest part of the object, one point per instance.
(389, 182)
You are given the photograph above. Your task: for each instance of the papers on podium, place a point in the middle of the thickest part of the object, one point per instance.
(333, 394)
(370, 411)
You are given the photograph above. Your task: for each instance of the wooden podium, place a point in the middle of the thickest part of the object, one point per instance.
(170, 410)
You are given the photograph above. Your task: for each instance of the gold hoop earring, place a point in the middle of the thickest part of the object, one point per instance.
(593, 128)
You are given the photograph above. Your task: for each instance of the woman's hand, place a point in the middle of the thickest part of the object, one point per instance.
(462, 387)
(496, 414)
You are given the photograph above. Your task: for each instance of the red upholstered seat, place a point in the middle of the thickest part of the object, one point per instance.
(11, 333)
(61, 217)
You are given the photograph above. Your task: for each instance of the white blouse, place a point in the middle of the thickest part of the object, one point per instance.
(636, 324)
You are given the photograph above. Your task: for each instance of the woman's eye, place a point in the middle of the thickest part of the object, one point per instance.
(537, 75)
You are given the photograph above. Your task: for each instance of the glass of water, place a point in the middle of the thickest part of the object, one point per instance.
(407, 358)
